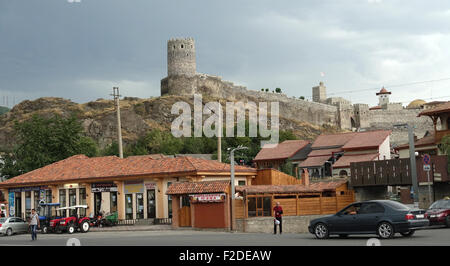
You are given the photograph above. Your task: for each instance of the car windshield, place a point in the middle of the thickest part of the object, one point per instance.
(396, 205)
(441, 204)
(2, 220)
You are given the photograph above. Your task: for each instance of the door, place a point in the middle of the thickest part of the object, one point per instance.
(129, 206)
(18, 205)
(151, 204)
(185, 216)
(139, 206)
(370, 215)
(97, 202)
(346, 221)
(185, 212)
(21, 225)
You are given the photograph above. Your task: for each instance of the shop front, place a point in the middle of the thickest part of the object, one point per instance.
(22, 200)
(105, 197)
(201, 204)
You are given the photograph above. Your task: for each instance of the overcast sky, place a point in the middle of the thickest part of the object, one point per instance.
(81, 50)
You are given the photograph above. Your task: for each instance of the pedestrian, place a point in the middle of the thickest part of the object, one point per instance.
(277, 212)
(34, 224)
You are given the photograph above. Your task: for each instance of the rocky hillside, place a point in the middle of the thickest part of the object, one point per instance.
(138, 117)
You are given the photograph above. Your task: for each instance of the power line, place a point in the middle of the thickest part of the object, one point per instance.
(388, 86)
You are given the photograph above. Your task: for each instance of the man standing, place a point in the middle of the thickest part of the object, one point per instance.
(277, 212)
(34, 224)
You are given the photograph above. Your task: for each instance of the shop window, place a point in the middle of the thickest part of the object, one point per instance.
(139, 206)
(113, 201)
(72, 201)
(27, 203)
(62, 201)
(129, 206)
(82, 200)
(259, 206)
(241, 183)
(48, 196)
(18, 204)
(36, 196)
(169, 201)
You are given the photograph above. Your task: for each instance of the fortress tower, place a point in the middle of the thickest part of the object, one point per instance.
(181, 57)
(383, 97)
(319, 93)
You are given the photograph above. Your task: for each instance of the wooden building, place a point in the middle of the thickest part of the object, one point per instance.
(296, 200)
(201, 204)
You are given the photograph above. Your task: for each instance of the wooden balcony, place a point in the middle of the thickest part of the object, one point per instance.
(440, 134)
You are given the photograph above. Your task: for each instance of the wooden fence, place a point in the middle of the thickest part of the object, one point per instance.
(396, 172)
(304, 204)
(274, 177)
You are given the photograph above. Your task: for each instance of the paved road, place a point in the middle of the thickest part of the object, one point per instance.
(439, 236)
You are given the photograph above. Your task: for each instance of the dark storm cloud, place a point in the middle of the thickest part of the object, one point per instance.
(80, 50)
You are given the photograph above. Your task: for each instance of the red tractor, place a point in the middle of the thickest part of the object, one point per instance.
(72, 223)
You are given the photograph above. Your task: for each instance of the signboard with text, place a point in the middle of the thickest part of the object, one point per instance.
(207, 197)
(103, 187)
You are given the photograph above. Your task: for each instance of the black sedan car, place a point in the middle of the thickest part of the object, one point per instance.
(381, 217)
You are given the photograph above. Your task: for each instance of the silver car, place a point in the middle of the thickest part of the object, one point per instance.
(11, 225)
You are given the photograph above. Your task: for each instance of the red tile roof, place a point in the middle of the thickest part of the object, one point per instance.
(283, 150)
(287, 189)
(314, 161)
(367, 139)
(323, 152)
(425, 141)
(80, 167)
(345, 160)
(333, 140)
(383, 91)
(198, 187)
(440, 108)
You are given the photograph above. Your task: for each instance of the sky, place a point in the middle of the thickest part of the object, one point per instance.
(80, 49)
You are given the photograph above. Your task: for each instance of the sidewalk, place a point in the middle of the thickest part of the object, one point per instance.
(119, 228)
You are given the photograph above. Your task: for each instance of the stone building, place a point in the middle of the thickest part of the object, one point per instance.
(182, 79)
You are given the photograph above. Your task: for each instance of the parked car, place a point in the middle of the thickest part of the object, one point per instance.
(381, 217)
(439, 213)
(13, 225)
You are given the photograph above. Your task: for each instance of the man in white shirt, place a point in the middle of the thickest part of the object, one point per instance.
(34, 224)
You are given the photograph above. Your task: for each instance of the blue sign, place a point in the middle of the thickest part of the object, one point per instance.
(426, 159)
(11, 205)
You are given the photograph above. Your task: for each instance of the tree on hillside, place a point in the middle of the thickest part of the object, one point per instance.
(278, 90)
(42, 141)
(445, 148)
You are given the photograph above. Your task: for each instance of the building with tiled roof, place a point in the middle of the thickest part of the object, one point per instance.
(274, 156)
(135, 186)
(439, 113)
(332, 153)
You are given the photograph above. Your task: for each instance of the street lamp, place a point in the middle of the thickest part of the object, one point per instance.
(412, 158)
(240, 147)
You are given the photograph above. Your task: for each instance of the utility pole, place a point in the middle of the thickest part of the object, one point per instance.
(412, 159)
(119, 126)
(240, 147)
(219, 137)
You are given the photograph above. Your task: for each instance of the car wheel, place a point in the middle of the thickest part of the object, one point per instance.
(9, 232)
(84, 228)
(408, 234)
(447, 221)
(321, 231)
(71, 229)
(385, 230)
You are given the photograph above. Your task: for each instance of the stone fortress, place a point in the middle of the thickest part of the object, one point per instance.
(183, 79)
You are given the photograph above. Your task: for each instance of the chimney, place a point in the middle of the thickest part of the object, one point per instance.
(305, 177)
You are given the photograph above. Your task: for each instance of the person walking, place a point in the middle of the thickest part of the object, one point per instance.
(277, 212)
(34, 224)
